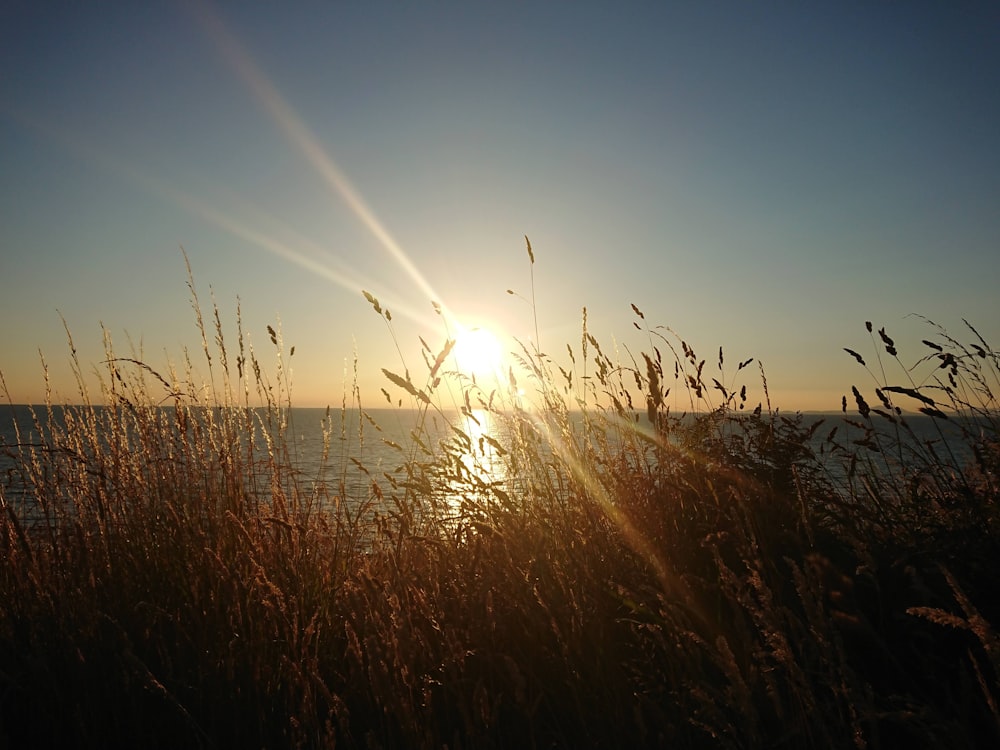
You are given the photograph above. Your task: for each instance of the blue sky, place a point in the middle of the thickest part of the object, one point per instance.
(764, 177)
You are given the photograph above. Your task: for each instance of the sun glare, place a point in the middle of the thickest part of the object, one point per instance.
(478, 352)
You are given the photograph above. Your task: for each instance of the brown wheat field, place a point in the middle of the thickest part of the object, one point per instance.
(626, 574)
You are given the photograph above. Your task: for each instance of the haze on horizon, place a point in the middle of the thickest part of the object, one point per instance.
(759, 177)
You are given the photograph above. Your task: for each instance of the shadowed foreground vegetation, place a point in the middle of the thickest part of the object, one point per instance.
(730, 577)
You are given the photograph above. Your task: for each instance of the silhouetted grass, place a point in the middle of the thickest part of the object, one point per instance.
(600, 570)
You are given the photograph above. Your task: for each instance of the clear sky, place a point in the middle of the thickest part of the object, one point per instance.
(759, 176)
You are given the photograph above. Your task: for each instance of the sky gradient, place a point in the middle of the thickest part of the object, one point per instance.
(763, 177)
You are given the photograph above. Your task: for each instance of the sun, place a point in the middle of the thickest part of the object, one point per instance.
(478, 352)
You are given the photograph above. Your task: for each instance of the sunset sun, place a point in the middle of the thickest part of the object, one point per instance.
(478, 352)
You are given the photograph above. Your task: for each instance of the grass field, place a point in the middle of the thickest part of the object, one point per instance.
(639, 577)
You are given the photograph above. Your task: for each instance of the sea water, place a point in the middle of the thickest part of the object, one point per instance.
(340, 452)
(347, 452)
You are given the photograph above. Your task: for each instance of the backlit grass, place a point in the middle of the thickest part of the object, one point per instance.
(599, 570)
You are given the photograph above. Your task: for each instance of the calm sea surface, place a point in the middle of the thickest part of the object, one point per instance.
(349, 450)
(344, 450)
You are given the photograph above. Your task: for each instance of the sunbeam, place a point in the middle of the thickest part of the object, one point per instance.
(299, 254)
(304, 139)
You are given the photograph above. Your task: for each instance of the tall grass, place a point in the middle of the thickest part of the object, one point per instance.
(599, 569)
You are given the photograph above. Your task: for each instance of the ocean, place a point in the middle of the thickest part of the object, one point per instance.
(342, 451)
(347, 451)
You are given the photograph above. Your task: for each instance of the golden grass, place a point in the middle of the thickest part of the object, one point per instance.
(599, 572)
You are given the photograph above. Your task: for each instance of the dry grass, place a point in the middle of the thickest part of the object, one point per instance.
(601, 571)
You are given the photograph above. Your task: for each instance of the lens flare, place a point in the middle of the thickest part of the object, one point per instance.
(306, 141)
